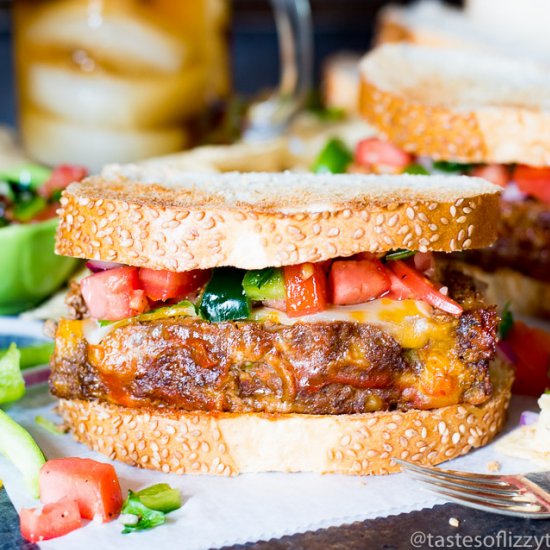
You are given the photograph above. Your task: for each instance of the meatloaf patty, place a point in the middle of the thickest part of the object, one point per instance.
(523, 242)
(333, 367)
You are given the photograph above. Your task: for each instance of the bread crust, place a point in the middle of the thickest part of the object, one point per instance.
(229, 444)
(136, 222)
(498, 130)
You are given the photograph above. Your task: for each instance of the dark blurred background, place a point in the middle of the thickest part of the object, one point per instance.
(339, 25)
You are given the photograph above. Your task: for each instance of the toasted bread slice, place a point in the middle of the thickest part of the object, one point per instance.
(169, 219)
(508, 27)
(458, 105)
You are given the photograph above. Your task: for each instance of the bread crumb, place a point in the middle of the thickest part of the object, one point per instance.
(453, 522)
(493, 466)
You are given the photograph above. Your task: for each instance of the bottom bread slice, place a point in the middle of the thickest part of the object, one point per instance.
(232, 443)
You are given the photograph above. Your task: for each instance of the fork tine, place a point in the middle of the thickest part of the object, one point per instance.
(526, 510)
(504, 500)
(481, 479)
(492, 490)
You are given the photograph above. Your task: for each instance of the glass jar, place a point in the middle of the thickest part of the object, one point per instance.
(117, 80)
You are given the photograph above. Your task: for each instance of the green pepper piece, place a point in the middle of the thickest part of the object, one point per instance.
(37, 354)
(224, 298)
(50, 426)
(334, 158)
(416, 170)
(400, 254)
(21, 449)
(27, 175)
(264, 284)
(146, 517)
(452, 167)
(26, 210)
(12, 385)
(160, 497)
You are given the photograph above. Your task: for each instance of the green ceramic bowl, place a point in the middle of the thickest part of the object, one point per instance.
(29, 269)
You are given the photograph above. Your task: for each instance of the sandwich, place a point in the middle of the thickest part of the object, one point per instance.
(458, 112)
(248, 322)
(514, 28)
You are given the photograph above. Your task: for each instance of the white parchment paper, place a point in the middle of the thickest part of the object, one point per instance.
(223, 511)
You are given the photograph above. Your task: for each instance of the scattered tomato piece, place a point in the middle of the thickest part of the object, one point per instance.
(375, 152)
(114, 294)
(54, 520)
(357, 281)
(161, 284)
(423, 289)
(495, 173)
(398, 290)
(61, 177)
(533, 181)
(93, 485)
(531, 350)
(306, 289)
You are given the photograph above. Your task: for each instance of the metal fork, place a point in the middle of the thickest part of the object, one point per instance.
(526, 496)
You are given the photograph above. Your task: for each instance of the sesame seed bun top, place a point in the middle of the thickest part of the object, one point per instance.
(168, 219)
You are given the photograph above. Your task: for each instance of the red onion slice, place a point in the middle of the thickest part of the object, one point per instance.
(528, 418)
(275, 304)
(97, 265)
(505, 351)
(512, 193)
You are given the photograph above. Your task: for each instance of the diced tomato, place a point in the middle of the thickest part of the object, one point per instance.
(54, 520)
(423, 289)
(62, 175)
(495, 173)
(47, 213)
(364, 256)
(357, 281)
(382, 154)
(531, 350)
(533, 181)
(114, 294)
(325, 264)
(306, 289)
(398, 290)
(93, 485)
(161, 284)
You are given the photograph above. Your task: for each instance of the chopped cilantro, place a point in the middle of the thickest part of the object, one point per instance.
(506, 322)
(399, 254)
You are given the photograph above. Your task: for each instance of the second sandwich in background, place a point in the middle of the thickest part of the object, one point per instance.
(461, 112)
